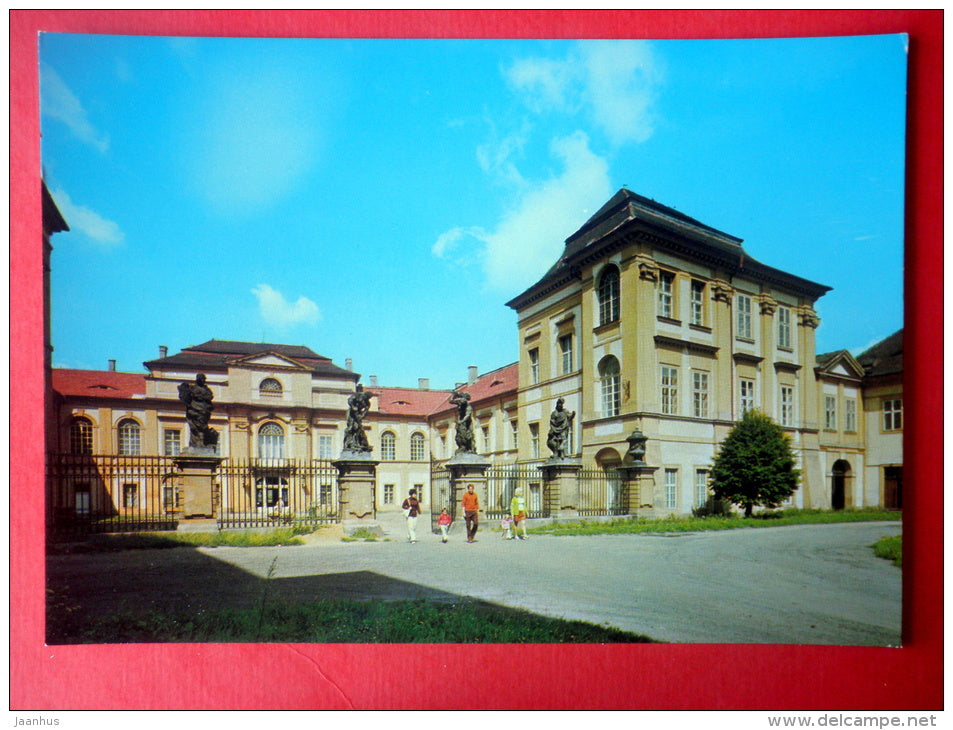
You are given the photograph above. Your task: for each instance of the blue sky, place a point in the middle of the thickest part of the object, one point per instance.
(382, 200)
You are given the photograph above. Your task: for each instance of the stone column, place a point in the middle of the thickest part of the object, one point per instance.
(196, 469)
(640, 480)
(357, 480)
(466, 468)
(561, 484)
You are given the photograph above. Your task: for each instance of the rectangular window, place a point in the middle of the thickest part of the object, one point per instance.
(388, 494)
(698, 302)
(666, 294)
(701, 487)
(669, 390)
(130, 495)
(515, 431)
(850, 415)
(325, 495)
(893, 414)
(172, 442)
(534, 365)
(746, 395)
(486, 438)
(81, 499)
(784, 327)
(325, 446)
(700, 394)
(671, 488)
(565, 349)
(787, 405)
(535, 498)
(168, 498)
(534, 440)
(830, 412)
(743, 303)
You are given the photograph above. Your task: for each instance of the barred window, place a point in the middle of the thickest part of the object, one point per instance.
(81, 436)
(129, 439)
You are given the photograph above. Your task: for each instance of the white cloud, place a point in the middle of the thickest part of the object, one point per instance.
(58, 102)
(279, 312)
(546, 84)
(83, 220)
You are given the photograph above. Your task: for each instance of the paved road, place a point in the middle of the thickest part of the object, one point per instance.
(803, 584)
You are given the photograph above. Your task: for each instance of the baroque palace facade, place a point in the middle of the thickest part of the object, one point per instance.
(649, 322)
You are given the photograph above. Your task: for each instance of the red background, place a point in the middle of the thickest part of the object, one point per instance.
(592, 677)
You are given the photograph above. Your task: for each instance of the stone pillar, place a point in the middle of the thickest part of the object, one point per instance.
(196, 469)
(357, 480)
(640, 481)
(561, 485)
(466, 468)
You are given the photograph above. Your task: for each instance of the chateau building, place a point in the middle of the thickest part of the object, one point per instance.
(649, 322)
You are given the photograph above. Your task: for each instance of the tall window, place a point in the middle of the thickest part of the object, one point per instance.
(534, 365)
(81, 436)
(743, 304)
(270, 386)
(609, 374)
(609, 295)
(698, 302)
(830, 412)
(666, 292)
(81, 499)
(671, 488)
(565, 350)
(418, 448)
(171, 441)
(388, 446)
(700, 394)
(271, 441)
(669, 390)
(130, 495)
(388, 494)
(325, 446)
(893, 414)
(746, 394)
(784, 327)
(787, 405)
(850, 415)
(534, 440)
(485, 430)
(270, 489)
(129, 440)
(515, 431)
(701, 487)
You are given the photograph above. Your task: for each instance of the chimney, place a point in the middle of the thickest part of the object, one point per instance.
(112, 366)
(423, 383)
(473, 375)
(349, 364)
(373, 379)
(163, 351)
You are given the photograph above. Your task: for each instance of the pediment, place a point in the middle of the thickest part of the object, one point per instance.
(842, 364)
(269, 360)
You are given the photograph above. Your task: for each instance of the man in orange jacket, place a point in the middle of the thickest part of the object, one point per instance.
(471, 512)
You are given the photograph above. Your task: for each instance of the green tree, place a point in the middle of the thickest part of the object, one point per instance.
(755, 465)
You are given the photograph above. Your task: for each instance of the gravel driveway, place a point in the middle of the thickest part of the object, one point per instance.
(797, 585)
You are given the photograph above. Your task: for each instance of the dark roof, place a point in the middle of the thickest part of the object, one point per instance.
(884, 358)
(219, 354)
(53, 221)
(675, 230)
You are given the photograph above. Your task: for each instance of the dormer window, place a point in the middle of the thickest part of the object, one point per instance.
(270, 387)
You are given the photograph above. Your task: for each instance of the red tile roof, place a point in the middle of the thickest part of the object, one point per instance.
(499, 383)
(98, 383)
(408, 401)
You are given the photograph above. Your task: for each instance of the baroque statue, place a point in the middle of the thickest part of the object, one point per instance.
(197, 397)
(466, 443)
(358, 404)
(560, 423)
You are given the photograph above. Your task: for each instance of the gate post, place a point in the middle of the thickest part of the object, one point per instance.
(468, 468)
(561, 484)
(196, 468)
(357, 479)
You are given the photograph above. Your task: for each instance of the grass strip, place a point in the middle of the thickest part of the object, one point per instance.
(890, 548)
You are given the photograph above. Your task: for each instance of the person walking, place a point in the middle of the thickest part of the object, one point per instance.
(471, 512)
(411, 509)
(518, 513)
(444, 521)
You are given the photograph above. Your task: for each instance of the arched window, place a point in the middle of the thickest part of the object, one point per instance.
(129, 441)
(609, 376)
(270, 386)
(608, 295)
(388, 446)
(271, 441)
(81, 436)
(418, 447)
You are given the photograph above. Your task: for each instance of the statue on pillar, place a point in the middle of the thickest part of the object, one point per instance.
(358, 404)
(560, 423)
(466, 443)
(197, 397)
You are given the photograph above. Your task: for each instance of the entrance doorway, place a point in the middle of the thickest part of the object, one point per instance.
(893, 487)
(839, 474)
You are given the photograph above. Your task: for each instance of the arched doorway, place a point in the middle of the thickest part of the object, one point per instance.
(839, 475)
(609, 462)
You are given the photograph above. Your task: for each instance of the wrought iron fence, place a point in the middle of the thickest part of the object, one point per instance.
(502, 481)
(602, 492)
(104, 493)
(89, 493)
